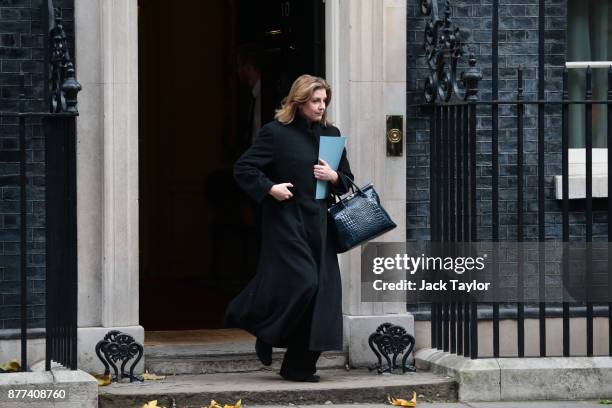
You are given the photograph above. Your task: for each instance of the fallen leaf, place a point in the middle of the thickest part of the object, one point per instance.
(398, 402)
(10, 366)
(103, 379)
(605, 402)
(151, 376)
(215, 404)
(151, 404)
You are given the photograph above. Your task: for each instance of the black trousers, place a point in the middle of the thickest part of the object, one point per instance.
(299, 361)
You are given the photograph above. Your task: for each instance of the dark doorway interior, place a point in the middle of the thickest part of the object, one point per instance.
(198, 235)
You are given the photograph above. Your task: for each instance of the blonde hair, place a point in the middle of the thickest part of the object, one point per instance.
(301, 91)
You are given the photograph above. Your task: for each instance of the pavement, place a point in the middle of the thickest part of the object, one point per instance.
(506, 404)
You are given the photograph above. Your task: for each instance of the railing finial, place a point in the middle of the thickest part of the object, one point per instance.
(64, 86)
(443, 49)
(471, 78)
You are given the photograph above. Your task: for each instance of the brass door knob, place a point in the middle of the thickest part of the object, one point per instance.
(395, 135)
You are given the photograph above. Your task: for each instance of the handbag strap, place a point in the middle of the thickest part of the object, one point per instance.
(351, 183)
(354, 188)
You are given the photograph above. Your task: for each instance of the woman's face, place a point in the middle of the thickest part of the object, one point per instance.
(314, 108)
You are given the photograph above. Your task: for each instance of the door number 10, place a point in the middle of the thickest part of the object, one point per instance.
(285, 9)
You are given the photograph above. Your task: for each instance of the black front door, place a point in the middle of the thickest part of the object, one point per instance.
(198, 233)
(291, 37)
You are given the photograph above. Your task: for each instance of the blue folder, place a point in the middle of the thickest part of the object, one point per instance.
(330, 150)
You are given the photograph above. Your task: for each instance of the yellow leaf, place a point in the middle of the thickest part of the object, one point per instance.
(215, 404)
(10, 366)
(151, 404)
(402, 402)
(151, 376)
(103, 379)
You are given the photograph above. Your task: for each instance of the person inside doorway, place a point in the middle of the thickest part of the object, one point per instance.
(248, 62)
(294, 300)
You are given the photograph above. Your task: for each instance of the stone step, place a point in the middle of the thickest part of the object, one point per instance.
(213, 351)
(208, 359)
(266, 387)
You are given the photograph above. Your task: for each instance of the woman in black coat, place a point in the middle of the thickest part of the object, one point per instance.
(295, 299)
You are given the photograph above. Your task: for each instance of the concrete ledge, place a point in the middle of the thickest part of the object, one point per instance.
(479, 380)
(79, 389)
(519, 379)
(11, 349)
(577, 174)
(556, 378)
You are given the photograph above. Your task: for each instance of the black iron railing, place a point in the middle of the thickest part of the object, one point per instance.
(60, 170)
(60, 201)
(61, 279)
(59, 132)
(61, 240)
(455, 192)
(457, 140)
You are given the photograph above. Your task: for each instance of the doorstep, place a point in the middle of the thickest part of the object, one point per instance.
(213, 351)
(266, 387)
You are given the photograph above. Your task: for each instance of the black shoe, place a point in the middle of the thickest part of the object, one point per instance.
(301, 378)
(264, 352)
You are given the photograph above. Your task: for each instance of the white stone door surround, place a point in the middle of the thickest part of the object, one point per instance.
(106, 33)
(366, 67)
(366, 63)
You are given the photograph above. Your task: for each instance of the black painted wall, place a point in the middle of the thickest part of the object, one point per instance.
(518, 46)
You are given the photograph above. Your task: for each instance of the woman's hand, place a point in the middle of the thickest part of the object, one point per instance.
(281, 191)
(322, 171)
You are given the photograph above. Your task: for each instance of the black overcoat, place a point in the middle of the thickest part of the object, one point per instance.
(298, 265)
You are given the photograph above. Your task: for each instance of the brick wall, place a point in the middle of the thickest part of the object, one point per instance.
(518, 45)
(22, 48)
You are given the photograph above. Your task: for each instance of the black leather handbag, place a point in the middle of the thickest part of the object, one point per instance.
(358, 217)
